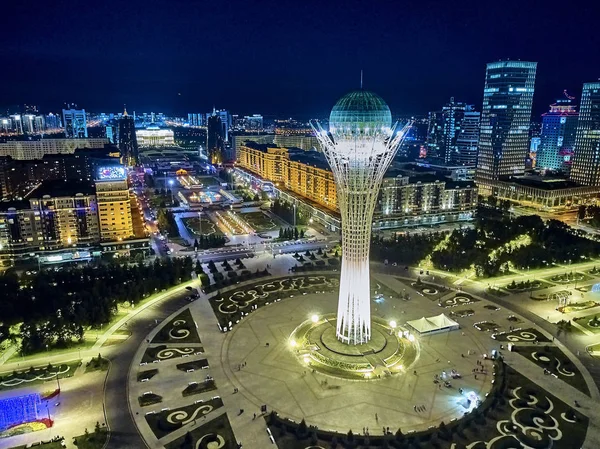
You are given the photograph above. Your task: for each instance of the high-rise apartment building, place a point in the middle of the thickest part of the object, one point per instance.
(36, 149)
(452, 117)
(114, 205)
(226, 121)
(127, 139)
(586, 162)
(215, 139)
(505, 117)
(557, 140)
(75, 123)
(467, 138)
(53, 121)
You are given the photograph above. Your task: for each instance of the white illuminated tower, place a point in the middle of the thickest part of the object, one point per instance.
(359, 147)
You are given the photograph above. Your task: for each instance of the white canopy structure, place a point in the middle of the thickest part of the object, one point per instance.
(434, 324)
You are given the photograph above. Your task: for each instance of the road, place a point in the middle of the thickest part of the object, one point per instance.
(124, 434)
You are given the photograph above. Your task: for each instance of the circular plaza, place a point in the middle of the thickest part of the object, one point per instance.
(286, 356)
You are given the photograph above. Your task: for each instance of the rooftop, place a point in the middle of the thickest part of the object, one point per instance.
(59, 188)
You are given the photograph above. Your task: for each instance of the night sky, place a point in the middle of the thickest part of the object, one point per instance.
(286, 57)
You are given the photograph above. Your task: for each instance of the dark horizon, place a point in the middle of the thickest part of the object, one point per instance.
(284, 58)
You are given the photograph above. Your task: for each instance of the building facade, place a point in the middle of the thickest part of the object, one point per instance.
(505, 117)
(467, 139)
(586, 162)
(75, 123)
(37, 149)
(153, 136)
(557, 140)
(58, 215)
(114, 204)
(412, 199)
(305, 142)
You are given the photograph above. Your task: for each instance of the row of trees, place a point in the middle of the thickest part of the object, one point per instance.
(291, 233)
(209, 241)
(166, 222)
(53, 308)
(286, 210)
(496, 243)
(407, 249)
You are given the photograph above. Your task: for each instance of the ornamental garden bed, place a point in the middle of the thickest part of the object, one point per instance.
(230, 306)
(164, 422)
(149, 398)
(555, 361)
(529, 335)
(199, 387)
(32, 376)
(148, 374)
(589, 322)
(565, 278)
(462, 313)
(578, 306)
(461, 299)
(163, 352)
(180, 329)
(523, 286)
(216, 433)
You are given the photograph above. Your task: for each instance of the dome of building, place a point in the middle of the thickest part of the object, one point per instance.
(360, 111)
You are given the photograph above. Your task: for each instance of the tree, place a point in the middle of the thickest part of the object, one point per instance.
(581, 212)
(301, 233)
(295, 233)
(280, 233)
(97, 428)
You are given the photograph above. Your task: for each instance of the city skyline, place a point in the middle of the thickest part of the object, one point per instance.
(151, 58)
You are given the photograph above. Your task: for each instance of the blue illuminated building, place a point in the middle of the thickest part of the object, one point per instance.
(559, 127)
(19, 410)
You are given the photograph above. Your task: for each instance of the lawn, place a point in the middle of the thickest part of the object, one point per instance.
(92, 441)
(148, 374)
(460, 299)
(32, 376)
(261, 222)
(181, 329)
(97, 364)
(192, 224)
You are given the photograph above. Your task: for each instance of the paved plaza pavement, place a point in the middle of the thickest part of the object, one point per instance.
(273, 375)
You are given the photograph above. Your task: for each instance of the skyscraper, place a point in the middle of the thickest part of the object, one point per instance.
(215, 139)
(75, 123)
(452, 117)
(559, 127)
(505, 117)
(127, 139)
(586, 162)
(359, 147)
(467, 139)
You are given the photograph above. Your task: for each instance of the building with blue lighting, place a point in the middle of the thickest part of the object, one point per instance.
(586, 162)
(557, 141)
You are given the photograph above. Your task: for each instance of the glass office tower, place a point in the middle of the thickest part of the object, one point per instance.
(505, 117)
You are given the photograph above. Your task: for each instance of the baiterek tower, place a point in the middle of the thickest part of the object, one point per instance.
(359, 147)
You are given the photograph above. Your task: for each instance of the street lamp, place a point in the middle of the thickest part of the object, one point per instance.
(171, 184)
